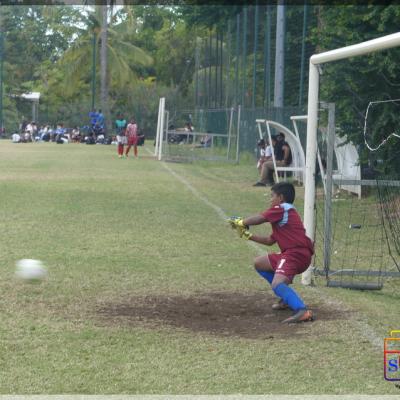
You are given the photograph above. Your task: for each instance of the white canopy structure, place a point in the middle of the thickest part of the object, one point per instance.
(34, 98)
(347, 160)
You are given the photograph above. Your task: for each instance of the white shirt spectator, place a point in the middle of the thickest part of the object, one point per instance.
(266, 152)
(29, 128)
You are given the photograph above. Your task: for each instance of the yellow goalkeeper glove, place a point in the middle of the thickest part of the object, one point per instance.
(237, 222)
(246, 234)
(241, 228)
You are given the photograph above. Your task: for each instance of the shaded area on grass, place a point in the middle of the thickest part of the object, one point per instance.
(221, 314)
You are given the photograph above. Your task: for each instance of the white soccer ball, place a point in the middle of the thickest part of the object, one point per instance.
(30, 270)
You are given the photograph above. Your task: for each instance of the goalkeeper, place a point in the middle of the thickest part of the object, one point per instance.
(296, 248)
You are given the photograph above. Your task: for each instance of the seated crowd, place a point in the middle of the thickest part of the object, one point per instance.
(31, 132)
(93, 133)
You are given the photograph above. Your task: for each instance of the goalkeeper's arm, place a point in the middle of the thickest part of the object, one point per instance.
(254, 220)
(267, 240)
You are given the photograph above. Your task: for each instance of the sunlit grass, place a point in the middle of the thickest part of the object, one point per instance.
(110, 230)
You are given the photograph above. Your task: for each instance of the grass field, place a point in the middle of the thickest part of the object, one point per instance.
(150, 292)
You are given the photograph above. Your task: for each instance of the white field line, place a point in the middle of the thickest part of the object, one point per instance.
(204, 199)
(361, 325)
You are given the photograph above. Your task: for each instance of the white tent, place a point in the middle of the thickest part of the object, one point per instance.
(34, 98)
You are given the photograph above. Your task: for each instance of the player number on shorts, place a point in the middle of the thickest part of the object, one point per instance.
(281, 263)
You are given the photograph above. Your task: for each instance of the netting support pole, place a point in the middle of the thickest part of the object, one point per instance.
(329, 182)
(311, 156)
(161, 135)
(158, 130)
(209, 71)
(228, 66)
(303, 47)
(221, 67)
(267, 58)
(203, 102)
(279, 56)
(237, 60)
(237, 135)
(216, 64)
(196, 92)
(230, 134)
(94, 70)
(244, 60)
(253, 94)
(166, 126)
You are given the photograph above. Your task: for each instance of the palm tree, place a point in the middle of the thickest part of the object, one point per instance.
(117, 54)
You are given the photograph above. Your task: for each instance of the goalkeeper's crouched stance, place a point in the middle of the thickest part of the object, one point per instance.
(297, 249)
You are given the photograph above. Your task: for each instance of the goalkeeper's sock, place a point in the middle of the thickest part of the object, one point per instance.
(267, 275)
(290, 297)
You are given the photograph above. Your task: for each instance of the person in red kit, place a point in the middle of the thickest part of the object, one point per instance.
(133, 137)
(296, 248)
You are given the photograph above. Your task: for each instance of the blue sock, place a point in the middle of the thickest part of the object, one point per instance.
(266, 275)
(290, 297)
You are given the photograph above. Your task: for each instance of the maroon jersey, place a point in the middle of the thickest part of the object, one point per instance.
(131, 132)
(287, 228)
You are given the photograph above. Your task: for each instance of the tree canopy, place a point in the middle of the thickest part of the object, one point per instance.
(168, 50)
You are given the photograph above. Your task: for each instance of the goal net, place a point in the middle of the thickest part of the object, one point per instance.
(352, 196)
(193, 135)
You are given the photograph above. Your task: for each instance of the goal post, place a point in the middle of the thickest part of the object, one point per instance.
(370, 46)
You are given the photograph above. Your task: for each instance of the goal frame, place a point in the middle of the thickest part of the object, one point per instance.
(370, 46)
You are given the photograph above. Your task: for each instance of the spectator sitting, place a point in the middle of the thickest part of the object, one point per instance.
(265, 152)
(100, 139)
(67, 134)
(283, 158)
(28, 133)
(27, 137)
(188, 127)
(182, 137)
(205, 141)
(45, 135)
(41, 132)
(59, 134)
(97, 130)
(75, 135)
(16, 138)
(61, 139)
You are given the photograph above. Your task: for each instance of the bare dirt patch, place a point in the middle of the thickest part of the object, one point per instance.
(219, 314)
